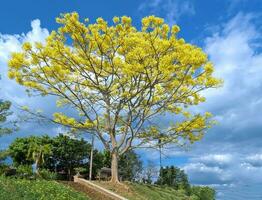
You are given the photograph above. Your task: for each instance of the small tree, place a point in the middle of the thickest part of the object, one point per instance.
(174, 177)
(118, 79)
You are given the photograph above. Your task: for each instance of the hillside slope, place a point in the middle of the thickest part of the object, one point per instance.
(19, 189)
(134, 191)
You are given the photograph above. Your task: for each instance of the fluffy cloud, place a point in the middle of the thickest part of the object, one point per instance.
(10, 90)
(226, 154)
(225, 169)
(12, 43)
(171, 9)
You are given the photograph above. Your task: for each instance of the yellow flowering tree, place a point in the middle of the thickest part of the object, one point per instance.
(118, 79)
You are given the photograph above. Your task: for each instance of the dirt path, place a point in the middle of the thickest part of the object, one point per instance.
(94, 195)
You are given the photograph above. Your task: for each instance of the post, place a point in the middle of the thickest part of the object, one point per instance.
(91, 158)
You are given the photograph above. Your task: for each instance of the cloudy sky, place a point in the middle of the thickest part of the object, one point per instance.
(228, 30)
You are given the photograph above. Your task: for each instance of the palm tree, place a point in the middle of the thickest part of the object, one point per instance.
(38, 152)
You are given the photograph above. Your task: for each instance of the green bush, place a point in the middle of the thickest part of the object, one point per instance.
(47, 175)
(3, 168)
(203, 193)
(24, 171)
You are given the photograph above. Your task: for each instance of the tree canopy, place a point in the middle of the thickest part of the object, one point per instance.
(174, 177)
(4, 113)
(119, 78)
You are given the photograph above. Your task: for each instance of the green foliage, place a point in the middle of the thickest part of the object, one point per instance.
(3, 155)
(174, 177)
(203, 193)
(4, 113)
(21, 189)
(67, 154)
(129, 164)
(98, 162)
(38, 151)
(3, 168)
(154, 192)
(24, 171)
(80, 170)
(21, 148)
(47, 175)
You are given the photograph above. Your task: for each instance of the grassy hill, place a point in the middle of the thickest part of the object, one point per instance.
(20, 189)
(134, 191)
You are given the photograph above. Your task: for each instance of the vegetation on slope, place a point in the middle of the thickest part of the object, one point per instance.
(21, 189)
(137, 191)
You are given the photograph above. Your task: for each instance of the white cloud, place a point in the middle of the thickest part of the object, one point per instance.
(12, 43)
(234, 50)
(226, 154)
(215, 159)
(12, 91)
(172, 10)
(225, 169)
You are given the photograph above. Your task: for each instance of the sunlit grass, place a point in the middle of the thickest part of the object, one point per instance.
(20, 189)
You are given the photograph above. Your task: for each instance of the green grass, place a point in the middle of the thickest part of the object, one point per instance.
(157, 193)
(146, 192)
(19, 189)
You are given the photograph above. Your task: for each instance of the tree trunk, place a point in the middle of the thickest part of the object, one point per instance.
(36, 167)
(114, 168)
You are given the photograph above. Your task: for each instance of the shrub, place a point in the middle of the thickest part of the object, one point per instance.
(24, 171)
(47, 175)
(203, 192)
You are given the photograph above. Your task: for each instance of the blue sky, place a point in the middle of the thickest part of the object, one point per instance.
(228, 30)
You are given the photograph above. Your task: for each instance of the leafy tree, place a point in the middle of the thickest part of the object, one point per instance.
(174, 177)
(119, 78)
(67, 154)
(4, 112)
